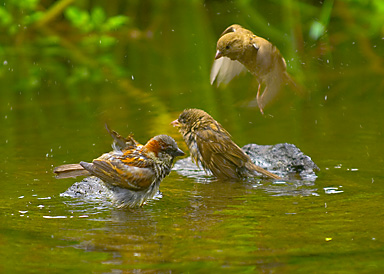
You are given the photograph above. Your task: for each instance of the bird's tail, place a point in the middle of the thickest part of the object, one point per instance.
(295, 86)
(70, 171)
(264, 172)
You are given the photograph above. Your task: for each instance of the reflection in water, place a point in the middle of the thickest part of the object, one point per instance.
(286, 160)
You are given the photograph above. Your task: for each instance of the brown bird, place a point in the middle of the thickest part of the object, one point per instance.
(211, 147)
(238, 49)
(133, 171)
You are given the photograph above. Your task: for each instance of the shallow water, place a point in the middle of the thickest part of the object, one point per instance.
(334, 225)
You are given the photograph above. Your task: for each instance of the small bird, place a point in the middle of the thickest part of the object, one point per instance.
(211, 147)
(133, 171)
(238, 49)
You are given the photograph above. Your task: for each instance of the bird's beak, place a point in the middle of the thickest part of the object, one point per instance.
(176, 123)
(218, 54)
(178, 152)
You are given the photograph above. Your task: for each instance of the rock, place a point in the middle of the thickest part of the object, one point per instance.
(92, 187)
(286, 160)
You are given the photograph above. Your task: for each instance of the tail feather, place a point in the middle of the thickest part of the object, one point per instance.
(261, 170)
(70, 171)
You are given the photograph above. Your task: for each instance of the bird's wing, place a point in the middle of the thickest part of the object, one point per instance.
(231, 28)
(224, 70)
(236, 28)
(273, 84)
(119, 142)
(119, 174)
(219, 153)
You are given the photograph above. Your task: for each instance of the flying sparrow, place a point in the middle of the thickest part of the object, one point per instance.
(238, 49)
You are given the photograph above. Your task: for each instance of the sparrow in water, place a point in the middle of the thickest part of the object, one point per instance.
(133, 171)
(211, 147)
(238, 49)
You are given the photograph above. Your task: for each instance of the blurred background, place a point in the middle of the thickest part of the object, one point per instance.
(68, 67)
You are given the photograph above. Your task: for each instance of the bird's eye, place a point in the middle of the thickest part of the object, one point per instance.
(227, 47)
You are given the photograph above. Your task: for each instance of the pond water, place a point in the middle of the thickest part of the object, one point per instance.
(335, 225)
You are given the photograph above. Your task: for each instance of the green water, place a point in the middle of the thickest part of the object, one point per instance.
(54, 107)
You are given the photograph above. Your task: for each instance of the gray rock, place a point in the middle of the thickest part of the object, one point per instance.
(286, 160)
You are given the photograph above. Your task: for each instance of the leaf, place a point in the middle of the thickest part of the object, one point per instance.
(5, 17)
(98, 16)
(106, 41)
(116, 22)
(317, 30)
(79, 18)
(30, 19)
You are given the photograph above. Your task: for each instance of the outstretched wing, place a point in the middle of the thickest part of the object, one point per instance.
(224, 70)
(118, 174)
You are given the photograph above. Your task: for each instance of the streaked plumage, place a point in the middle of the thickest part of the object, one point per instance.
(132, 170)
(211, 146)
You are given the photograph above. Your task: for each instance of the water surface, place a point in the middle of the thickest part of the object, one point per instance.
(334, 225)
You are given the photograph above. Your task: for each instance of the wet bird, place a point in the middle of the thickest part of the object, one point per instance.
(133, 171)
(238, 49)
(211, 147)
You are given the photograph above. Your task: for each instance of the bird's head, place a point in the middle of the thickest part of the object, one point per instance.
(164, 147)
(230, 45)
(193, 119)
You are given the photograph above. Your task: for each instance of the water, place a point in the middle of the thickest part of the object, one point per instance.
(334, 225)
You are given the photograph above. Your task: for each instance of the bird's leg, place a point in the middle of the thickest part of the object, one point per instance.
(258, 98)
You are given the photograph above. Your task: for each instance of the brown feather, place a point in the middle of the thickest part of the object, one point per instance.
(238, 45)
(118, 174)
(70, 171)
(211, 147)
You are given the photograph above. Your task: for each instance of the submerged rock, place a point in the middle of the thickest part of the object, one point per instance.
(285, 160)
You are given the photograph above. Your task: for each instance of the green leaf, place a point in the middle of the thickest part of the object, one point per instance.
(79, 18)
(107, 41)
(5, 17)
(317, 30)
(98, 16)
(30, 19)
(26, 4)
(116, 22)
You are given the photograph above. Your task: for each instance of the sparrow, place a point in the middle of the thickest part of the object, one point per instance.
(211, 147)
(133, 171)
(238, 50)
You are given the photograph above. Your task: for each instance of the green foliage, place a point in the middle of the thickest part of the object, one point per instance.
(79, 41)
(25, 4)
(95, 20)
(318, 27)
(5, 17)
(38, 25)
